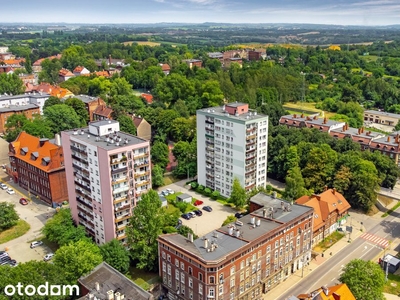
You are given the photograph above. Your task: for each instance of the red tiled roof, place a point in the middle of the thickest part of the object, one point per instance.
(148, 98)
(103, 111)
(165, 67)
(102, 73)
(39, 61)
(78, 69)
(65, 73)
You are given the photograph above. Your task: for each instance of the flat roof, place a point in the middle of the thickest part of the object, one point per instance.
(220, 112)
(30, 95)
(382, 113)
(231, 237)
(12, 108)
(83, 98)
(86, 137)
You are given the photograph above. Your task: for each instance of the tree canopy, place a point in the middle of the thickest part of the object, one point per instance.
(115, 254)
(8, 216)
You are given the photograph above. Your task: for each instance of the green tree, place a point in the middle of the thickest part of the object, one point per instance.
(28, 65)
(397, 127)
(159, 154)
(80, 108)
(145, 226)
(229, 219)
(115, 254)
(61, 229)
(294, 188)
(157, 177)
(238, 194)
(77, 259)
(185, 230)
(11, 84)
(61, 117)
(8, 216)
(365, 279)
(50, 69)
(52, 100)
(126, 124)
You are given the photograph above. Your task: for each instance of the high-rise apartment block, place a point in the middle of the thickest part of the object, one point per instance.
(232, 142)
(107, 171)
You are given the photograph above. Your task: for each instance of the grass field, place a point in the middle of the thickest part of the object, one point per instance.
(151, 44)
(392, 286)
(18, 230)
(370, 58)
(142, 278)
(307, 107)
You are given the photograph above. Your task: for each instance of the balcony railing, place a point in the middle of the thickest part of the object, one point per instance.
(140, 155)
(82, 185)
(84, 202)
(83, 151)
(119, 170)
(250, 136)
(138, 174)
(141, 183)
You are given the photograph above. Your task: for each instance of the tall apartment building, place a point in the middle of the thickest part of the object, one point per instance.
(242, 260)
(107, 171)
(232, 141)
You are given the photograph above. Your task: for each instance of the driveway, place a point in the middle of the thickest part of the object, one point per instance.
(36, 214)
(209, 221)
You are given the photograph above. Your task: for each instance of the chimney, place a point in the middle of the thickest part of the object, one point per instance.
(362, 129)
(117, 296)
(110, 295)
(58, 139)
(336, 296)
(325, 120)
(97, 286)
(109, 60)
(325, 188)
(388, 139)
(294, 116)
(315, 118)
(302, 116)
(334, 191)
(359, 130)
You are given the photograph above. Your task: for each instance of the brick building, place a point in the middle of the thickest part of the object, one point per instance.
(37, 165)
(241, 260)
(330, 212)
(92, 103)
(29, 110)
(193, 62)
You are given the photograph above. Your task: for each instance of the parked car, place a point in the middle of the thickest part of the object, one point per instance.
(186, 216)
(164, 193)
(23, 201)
(3, 253)
(12, 263)
(3, 186)
(192, 214)
(48, 256)
(238, 215)
(36, 244)
(197, 203)
(198, 212)
(207, 208)
(179, 224)
(170, 192)
(10, 191)
(5, 260)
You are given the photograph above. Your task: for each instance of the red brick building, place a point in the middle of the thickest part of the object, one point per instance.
(241, 260)
(193, 62)
(29, 110)
(37, 165)
(330, 212)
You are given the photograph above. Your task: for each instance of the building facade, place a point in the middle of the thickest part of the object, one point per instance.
(29, 110)
(381, 117)
(37, 165)
(20, 100)
(239, 261)
(107, 172)
(233, 143)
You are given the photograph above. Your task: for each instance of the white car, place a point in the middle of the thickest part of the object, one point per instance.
(192, 214)
(36, 244)
(3, 186)
(171, 192)
(10, 191)
(48, 256)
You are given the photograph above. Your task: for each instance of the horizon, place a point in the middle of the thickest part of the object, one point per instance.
(328, 12)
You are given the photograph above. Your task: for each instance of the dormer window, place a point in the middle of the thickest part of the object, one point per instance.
(45, 161)
(24, 151)
(34, 155)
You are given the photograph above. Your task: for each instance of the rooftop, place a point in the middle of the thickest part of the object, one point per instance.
(218, 244)
(114, 140)
(220, 112)
(105, 278)
(13, 108)
(30, 95)
(382, 113)
(85, 98)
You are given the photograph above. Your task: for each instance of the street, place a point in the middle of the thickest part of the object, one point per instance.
(329, 272)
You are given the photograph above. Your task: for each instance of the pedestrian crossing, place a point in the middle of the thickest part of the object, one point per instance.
(375, 240)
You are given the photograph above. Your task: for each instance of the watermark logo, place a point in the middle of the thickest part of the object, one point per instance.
(41, 290)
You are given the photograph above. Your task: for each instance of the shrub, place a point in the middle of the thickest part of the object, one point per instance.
(207, 191)
(268, 188)
(200, 188)
(215, 195)
(182, 206)
(194, 185)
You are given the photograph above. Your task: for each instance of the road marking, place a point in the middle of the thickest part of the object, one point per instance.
(376, 240)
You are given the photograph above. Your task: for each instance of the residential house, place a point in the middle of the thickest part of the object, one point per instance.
(37, 65)
(6, 55)
(165, 68)
(3, 49)
(242, 53)
(20, 100)
(216, 55)
(107, 172)
(29, 110)
(104, 73)
(147, 97)
(37, 165)
(359, 135)
(79, 70)
(64, 75)
(193, 62)
(254, 55)
(388, 145)
(336, 292)
(241, 260)
(53, 90)
(322, 124)
(28, 78)
(381, 117)
(106, 283)
(231, 143)
(6, 69)
(143, 128)
(237, 60)
(92, 104)
(330, 212)
(102, 112)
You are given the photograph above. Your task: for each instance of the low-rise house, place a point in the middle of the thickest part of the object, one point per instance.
(237, 60)
(37, 65)
(184, 198)
(388, 145)
(330, 212)
(143, 128)
(102, 112)
(37, 165)
(92, 104)
(193, 62)
(165, 68)
(64, 75)
(106, 283)
(360, 135)
(381, 117)
(28, 78)
(79, 70)
(147, 97)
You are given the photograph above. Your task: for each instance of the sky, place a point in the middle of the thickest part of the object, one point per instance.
(340, 12)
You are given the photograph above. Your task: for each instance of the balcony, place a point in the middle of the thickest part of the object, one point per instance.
(122, 217)
(251, 186)
(251, 142)
(210, 120)
(80, 159)
(83, 210)
(77, 149)
(210, 127)
(120, 179)
(250, 129)
(141, 183)
(121, 236)
(120, 189)
(250, 170)
(140, 155)
(119, 169)
(250, 149)
(251, 136)
(82, 185)
(251, 163)
(251, 155)
(82, 201)
(122, 226)
(209, 134)
(120, 208)
(114, 161)
(138, 174)
(141, 163)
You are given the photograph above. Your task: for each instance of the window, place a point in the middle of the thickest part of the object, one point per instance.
(169, 270)
(221, 290)
(176, 262)
(232, 271)
(200, 277)
(182, 278)
(163, 253)
(211, 280)
(200, 289)
(221, 278)
(232, 282)
(276, 244)
(268, 259)
(190, 282)
(164, 266)
(177, 275)
(268, 248)
(241, 276)
(169, 257)
(182, 266)
(211, 292)
(242, 264)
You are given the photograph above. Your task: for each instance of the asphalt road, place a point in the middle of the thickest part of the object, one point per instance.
(361, 248)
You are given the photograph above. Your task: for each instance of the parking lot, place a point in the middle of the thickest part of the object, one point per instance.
(36, 214)
(209, 221)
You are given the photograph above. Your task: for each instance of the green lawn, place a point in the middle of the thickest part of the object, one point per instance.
(142, 278)
(18, 230)
(328, 242)
(392, 286)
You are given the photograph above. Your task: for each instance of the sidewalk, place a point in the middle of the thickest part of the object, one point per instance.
(295, 278)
